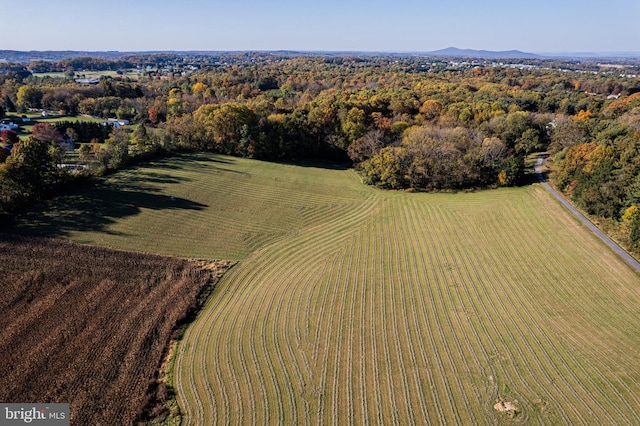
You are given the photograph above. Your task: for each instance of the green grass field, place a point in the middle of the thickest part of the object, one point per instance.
(351, 305)
(27, 127)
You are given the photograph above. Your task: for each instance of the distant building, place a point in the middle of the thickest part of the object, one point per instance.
(87, 80)
(116, 122)
(73, 168)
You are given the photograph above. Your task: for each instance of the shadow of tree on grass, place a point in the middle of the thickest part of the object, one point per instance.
(94, 206)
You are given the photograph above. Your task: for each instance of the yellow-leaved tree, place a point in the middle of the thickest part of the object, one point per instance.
(631, 224)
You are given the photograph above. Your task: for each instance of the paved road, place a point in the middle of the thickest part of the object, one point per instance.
(615, 247)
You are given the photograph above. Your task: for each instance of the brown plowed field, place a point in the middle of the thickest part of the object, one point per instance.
(90, 326)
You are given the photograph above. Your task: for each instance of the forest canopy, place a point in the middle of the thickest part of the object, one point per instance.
(403, 123)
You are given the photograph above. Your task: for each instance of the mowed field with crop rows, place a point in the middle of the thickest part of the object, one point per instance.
(354, 305)
(197, 206)
(414, 309)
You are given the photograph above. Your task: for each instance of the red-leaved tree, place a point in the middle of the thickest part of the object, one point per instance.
(45, 132)
(154, 114)
(9, 137)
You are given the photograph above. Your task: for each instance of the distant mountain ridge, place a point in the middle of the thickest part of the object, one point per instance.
(54, 55)
(484, 54)
(17, 56)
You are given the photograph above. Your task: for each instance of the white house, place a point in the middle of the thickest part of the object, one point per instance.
(87, 80)
(117, 122)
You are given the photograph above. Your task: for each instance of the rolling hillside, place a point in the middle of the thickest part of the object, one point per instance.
(353, 305)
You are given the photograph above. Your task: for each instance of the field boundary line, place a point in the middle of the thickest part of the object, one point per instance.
(630, 260)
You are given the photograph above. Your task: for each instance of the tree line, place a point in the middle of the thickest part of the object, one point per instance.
(598, 166)
(403, 123)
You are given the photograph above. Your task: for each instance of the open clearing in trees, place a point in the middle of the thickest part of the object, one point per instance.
(354, 305)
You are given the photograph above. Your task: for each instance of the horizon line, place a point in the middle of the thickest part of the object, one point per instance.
(445, 52)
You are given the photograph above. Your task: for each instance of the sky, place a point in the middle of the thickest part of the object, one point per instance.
(538, 26)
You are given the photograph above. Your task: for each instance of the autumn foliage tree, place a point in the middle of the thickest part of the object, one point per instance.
(631, 223)
(434, 158)
(117, 147)
(45, 132)
(29, 96)
(9, 137)
(28, 174)
(154, 114)
(228, 128)
(447, 128)
(602, 176)
(431, 109)
(367, 146)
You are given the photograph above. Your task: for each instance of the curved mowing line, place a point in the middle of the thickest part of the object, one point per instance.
(208, 324)
(338, 224)
(397, 278)
(361, 317)
(296, 359)
(280, 290)
(304, 345)
(276, 291)
(420, 316)
(208, 186)
(495, 334)
(373, 333)
(360, 277)
(429, 354)
(382, 285)
(589, 377)
(407, 217)
(513, 308)
(338, 337)
(334, 283)
(531, 320)
(286, 320)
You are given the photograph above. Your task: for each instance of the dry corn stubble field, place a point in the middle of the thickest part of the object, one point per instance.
(353, 305)
(90, 326)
